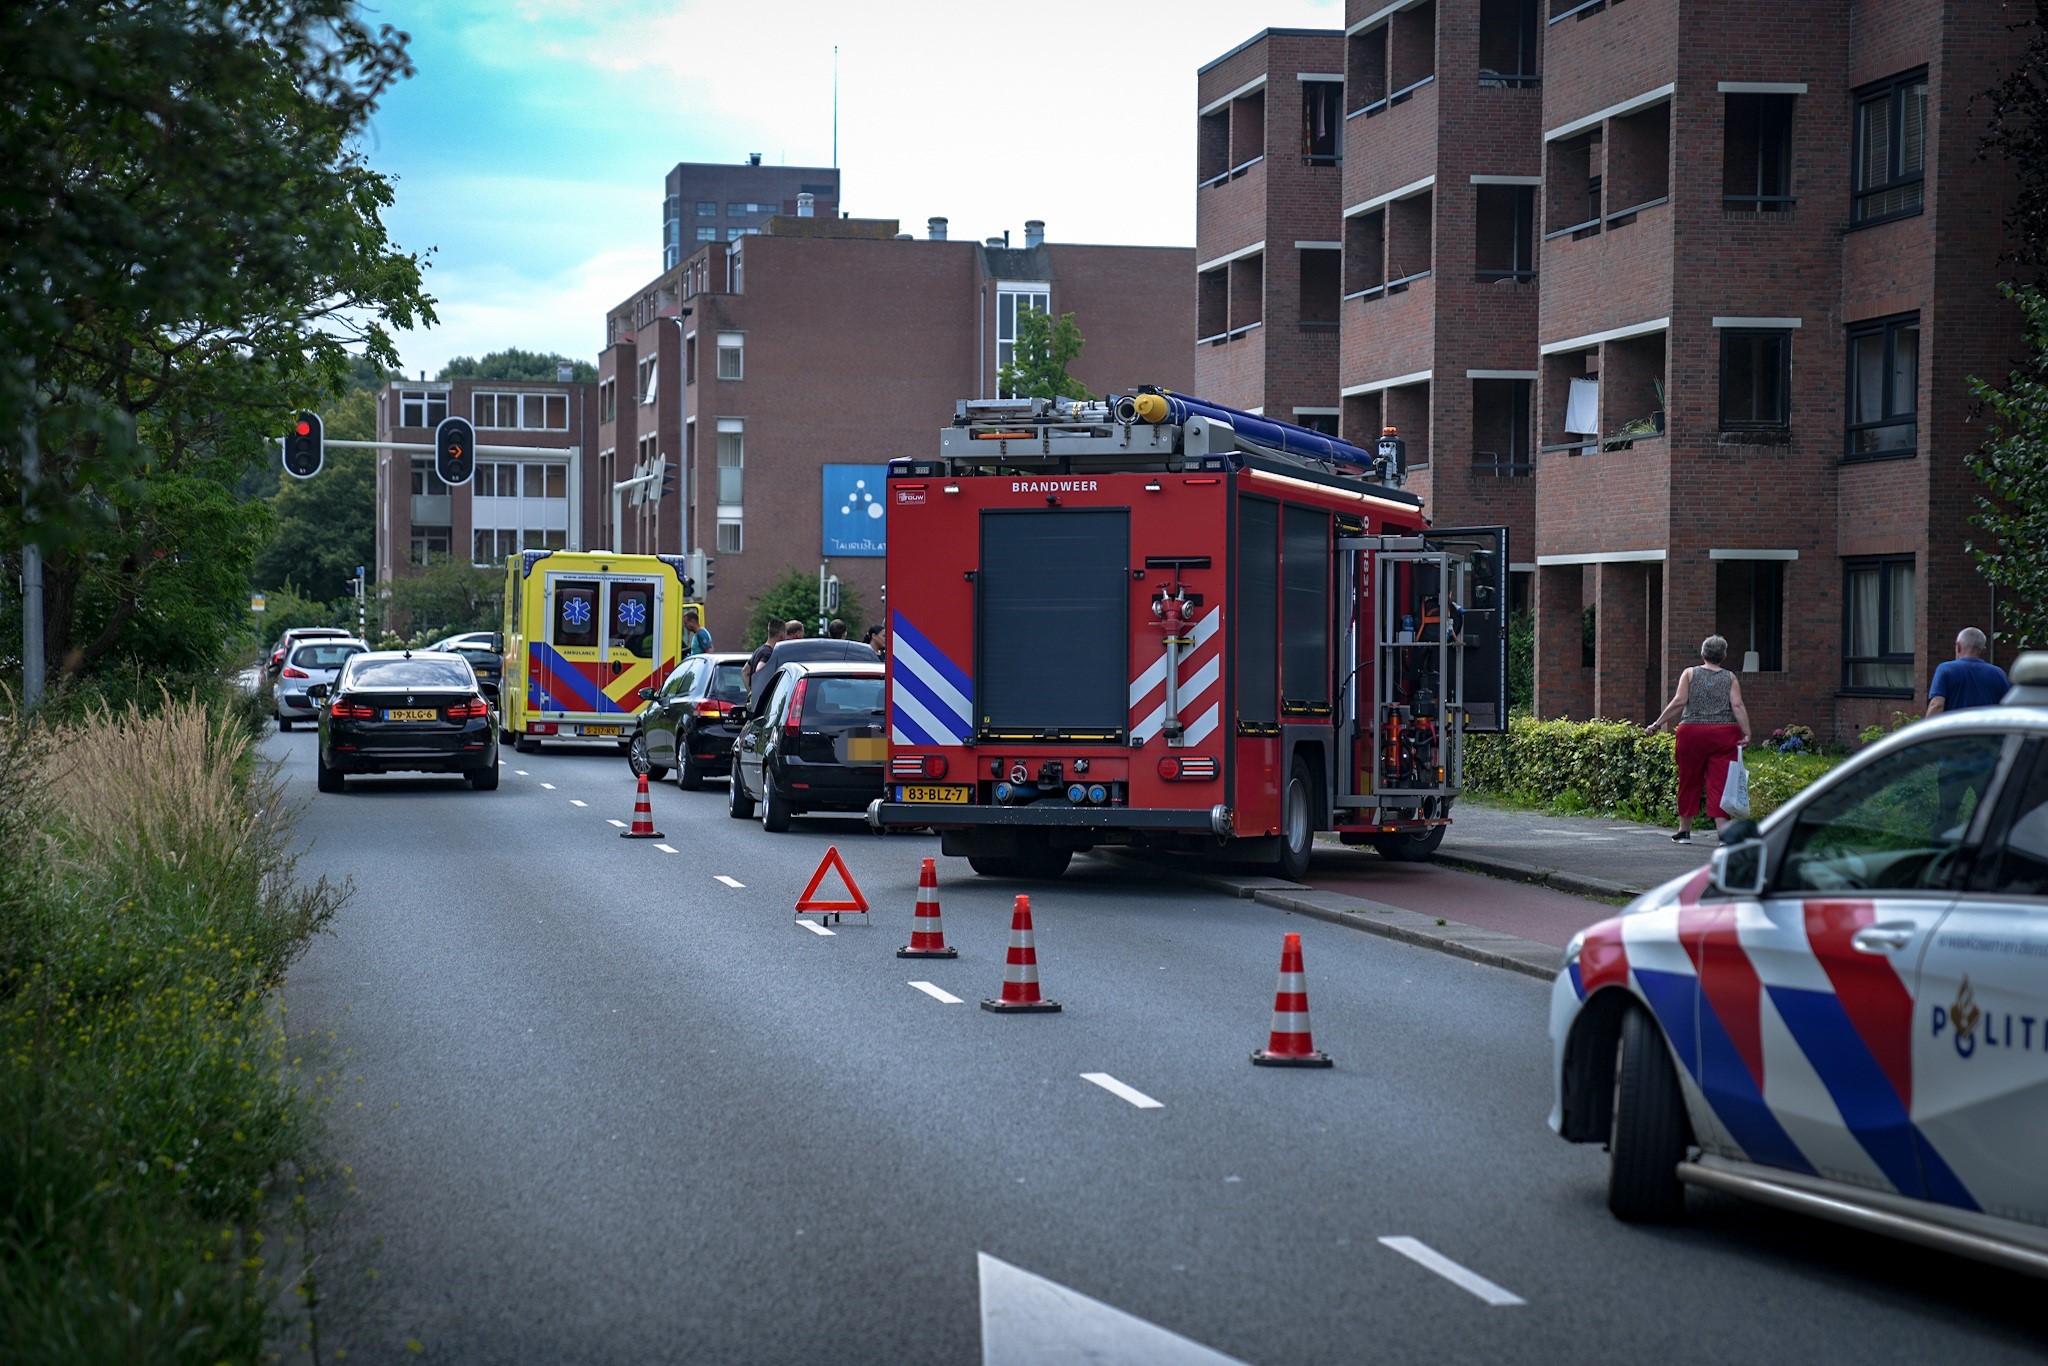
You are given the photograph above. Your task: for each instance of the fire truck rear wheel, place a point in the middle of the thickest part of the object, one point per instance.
(1410, 848)
(1297, 826)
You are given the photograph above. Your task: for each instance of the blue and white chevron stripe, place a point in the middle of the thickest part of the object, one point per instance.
(932, 701)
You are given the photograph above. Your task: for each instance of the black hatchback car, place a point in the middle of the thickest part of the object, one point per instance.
(818, 743)
(688, 725)
(406, 712)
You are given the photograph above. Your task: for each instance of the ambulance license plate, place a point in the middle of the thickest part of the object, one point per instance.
(951, 793)
(600, 730)
(412, 714)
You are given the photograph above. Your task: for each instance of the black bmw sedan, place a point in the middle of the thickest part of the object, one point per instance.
(407, 712)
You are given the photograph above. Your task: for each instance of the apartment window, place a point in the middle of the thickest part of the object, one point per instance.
(422, 408)
(430, 543)
(730, 541)
(425, 482)
(1573, 186)
(736, 209)
(735, 234)
(533, 412)
(1756, 153)
(732, 461)
(608, 401)
(1322, 420)
(1212, 304)
(689, 358)
(1365, 70)
(1877, 628)
(707, 234)
(647, 380)
(1505, 234)
(732, 355)
(1508, 43)
(707, 208)
(1212, 147)
(1322, 122)
(1756, 380)
(1749, 612)
(1365, 253)
(1322, 274)
(1884, 387)
(1501, 442)
(1012, 302)
(1891, 148)
(517, 505)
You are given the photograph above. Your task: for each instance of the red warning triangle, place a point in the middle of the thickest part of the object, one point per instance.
(805, 905)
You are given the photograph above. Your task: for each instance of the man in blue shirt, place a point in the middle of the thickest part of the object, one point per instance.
(1968, 680)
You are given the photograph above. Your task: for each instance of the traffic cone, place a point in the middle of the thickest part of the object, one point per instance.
(927, 933)
(643, 818)
(1020, 978)
(1290, 1044)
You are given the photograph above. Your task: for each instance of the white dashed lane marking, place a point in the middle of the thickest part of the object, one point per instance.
(665, 848)
(574, 802)
(938, 994)
(815, 928)
(1415, 1250)
(520, 771)
(549, 786)
(609, 821)
(1117, 1088)
(730, 881)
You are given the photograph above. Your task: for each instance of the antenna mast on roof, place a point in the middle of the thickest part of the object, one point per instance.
(835, 106)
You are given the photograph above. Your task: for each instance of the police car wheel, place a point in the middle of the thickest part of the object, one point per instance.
(1647, 1137)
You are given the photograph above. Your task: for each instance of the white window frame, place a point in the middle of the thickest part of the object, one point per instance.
(425, 400)
(732, 535)
(1014, 291)
(529, 410)
(732, 344)
(648, 379)
(732, 426)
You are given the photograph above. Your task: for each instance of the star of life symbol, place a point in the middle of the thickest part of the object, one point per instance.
(632, 612)
(576, 611)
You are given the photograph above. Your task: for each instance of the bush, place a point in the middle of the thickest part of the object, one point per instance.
(1612, 768)
(794, 597)
(150, 1118)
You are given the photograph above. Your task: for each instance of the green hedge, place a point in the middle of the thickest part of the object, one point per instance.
(1612, 768)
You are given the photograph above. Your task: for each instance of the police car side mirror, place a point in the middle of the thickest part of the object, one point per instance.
(1738, 869)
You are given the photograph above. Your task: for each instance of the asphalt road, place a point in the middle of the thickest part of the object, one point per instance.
(602, 1106)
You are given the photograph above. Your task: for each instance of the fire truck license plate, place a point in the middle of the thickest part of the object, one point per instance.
(412, 714)
(600, 730)
(953, 793)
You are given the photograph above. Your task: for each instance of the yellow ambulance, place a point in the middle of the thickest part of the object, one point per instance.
(585, 631)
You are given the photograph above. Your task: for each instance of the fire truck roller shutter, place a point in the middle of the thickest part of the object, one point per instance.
(1258, 612)
(1305, 612)
(1054, 619)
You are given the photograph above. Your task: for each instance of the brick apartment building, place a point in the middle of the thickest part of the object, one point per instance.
(705, 202)
(1688, 294)
(779, 372)
(518, 501)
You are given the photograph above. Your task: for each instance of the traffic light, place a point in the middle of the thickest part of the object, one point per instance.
(455, 450)
(303, 448)
(669, 470)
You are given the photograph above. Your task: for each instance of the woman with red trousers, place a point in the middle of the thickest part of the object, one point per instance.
(1712, 728)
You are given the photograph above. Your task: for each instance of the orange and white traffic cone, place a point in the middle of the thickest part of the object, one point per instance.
(1290, 1044)
(1020, 978)
(927, 933)
(643, 818)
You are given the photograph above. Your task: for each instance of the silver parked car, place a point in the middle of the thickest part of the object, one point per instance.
(310, 662)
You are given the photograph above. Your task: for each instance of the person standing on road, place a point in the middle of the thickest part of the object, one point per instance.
(837, 630)
(877, 639)
(791, 630)
(1968, 680)
(696, 640)
(1712, 728)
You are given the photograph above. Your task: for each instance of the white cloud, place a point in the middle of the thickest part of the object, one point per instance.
(488, 308)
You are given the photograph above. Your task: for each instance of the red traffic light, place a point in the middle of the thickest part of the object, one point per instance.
(305, 427)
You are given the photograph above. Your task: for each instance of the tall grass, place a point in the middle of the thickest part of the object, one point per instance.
(150, 1117)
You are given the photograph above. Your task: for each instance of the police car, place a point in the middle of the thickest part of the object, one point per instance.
(1846, 1012)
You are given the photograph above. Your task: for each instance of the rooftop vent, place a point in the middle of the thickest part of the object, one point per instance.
(806, 206)
(565, 371)
(935, 229)
(1034, 233)
(753, 158)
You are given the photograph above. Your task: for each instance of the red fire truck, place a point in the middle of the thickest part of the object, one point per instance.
(1159, 621)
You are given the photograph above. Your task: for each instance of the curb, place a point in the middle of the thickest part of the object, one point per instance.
(1576, 883)
(1489, 947)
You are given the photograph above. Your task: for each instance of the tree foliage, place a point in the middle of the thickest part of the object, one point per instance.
(2018, 133)
(1045, 349)
(794, 596)
(191, 246)
(2013, 466)
(448, 596)
(514, 364)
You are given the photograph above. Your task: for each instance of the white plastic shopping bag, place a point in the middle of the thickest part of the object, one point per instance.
(1735, 789)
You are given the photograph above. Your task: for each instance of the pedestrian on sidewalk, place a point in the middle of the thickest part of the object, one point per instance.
(1712, 728)
(1968, 680)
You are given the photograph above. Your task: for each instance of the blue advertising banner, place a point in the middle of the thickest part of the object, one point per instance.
(854, 522)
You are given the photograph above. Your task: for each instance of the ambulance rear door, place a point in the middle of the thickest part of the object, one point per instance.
(604, 644)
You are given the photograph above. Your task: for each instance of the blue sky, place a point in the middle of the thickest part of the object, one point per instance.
(529, 150)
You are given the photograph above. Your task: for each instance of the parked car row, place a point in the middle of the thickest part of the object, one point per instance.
(809, 735)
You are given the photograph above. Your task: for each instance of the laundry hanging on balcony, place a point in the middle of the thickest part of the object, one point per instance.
(1582, 408)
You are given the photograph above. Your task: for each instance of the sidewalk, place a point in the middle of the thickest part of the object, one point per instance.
(1586, 855)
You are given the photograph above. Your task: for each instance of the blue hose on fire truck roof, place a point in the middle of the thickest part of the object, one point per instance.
(1158, 406)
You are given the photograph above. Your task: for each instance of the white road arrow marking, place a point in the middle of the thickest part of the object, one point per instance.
(815, 928)
(729, 881)
(1415, 1250)
(939, 994)
(1027, 1320)
(1117, 1088)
